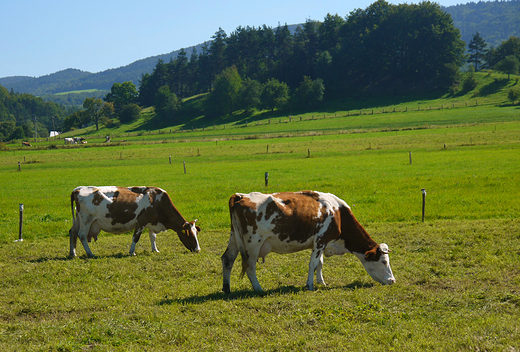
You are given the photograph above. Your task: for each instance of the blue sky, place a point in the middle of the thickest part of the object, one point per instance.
(41, 37)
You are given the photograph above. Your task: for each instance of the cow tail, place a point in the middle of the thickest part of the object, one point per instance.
(72, 198)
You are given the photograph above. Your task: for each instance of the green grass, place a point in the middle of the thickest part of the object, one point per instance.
(457, 273)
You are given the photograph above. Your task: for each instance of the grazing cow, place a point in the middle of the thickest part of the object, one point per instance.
(78, 140)
(291, 222)
(26, 144)
(119, 210)
(69, 141)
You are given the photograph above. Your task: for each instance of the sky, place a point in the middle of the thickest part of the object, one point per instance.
(43, 37)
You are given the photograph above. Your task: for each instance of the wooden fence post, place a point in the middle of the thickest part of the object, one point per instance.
(20, 239)
(266, 179)
(184, 164)
(423, 202)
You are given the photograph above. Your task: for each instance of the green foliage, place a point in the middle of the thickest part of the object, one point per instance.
(250, 94)
(495, 20)
(469, 81)
(166, 104)
(24, 108)
(513, 95)
(93, 110)
(129, 113)
(510, 65)
(225, 93)
(121, 94)
(477, 51)
(309, 94)
(274, 95)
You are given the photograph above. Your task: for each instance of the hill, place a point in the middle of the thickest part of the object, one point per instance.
(495, 21)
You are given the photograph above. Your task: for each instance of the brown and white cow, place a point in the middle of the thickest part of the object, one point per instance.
(291, 222)
(119, 210)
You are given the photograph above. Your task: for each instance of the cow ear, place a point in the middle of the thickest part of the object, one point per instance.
(186, 226)
(198, 228)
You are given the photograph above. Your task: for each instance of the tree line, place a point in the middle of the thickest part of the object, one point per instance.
(23, 115)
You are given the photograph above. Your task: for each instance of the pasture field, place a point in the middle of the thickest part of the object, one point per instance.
(458, 273)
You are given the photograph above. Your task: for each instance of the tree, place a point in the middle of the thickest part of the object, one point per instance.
(309, 94)
(129, 113)
(122, 94)
(513, 95)
(477, 50)
(275, 94)
(509, 65)
(470, 80)
(225, 93)
(92, 108)
(250, 94)
(166, 102)
(506, 48)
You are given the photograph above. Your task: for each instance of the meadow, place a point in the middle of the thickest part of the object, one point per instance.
(458, 276)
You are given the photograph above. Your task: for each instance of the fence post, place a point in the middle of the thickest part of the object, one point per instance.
(423, 202)
(184, 164)
(266, 179)
(410, 153)
(170, 159)
(20, 239)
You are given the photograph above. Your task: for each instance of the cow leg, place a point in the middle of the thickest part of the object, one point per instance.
(153, 236)
(316, 258)
(83, 235)
(73, 235)
(137, 235)
(228, 259)
(251, 274)
(319, 274)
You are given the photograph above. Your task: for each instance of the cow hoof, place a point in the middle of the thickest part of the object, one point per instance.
(310, 288)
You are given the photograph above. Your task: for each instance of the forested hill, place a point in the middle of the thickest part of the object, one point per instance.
(495, 21)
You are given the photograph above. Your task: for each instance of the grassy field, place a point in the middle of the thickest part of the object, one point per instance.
(458, 276)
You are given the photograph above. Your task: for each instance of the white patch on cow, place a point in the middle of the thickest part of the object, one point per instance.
(195, 233)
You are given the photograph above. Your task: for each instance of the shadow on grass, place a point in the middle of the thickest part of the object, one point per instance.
(244, 294)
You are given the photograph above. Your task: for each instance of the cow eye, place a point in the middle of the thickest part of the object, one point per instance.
(384, 262)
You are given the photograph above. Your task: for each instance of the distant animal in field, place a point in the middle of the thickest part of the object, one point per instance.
(69, 140)
(119, 210)
(26, 144)
(290, 222)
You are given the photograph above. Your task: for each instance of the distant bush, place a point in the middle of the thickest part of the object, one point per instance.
(129, 113)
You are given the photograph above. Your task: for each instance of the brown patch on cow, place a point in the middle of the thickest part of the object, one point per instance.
(244, 208)
(356, 238)
(97, 198)
(297, 219)
(123, 206)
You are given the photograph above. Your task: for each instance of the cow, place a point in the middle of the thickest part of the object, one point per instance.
(69, 140)
(79, 140)
(120, 209)
(26, 144)
(291, 222)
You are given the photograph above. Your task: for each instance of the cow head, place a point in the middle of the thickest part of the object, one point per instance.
(188, 236)
(377, 264)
